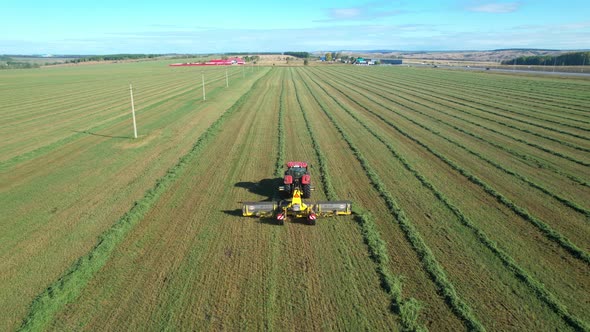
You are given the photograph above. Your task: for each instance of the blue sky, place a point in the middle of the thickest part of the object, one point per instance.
(105, 27)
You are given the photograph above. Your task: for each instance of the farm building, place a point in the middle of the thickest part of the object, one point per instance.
(390, 61)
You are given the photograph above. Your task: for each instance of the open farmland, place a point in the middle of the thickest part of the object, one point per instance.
(470, 190)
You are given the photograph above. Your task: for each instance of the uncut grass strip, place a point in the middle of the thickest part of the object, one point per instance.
(406, 309)
(520, 140)
(70, 284)
(421, 94)
(553, 235)
(523, 275)
(460, 307)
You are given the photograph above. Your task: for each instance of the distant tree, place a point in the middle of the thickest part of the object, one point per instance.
(329, 56)
(305, 62)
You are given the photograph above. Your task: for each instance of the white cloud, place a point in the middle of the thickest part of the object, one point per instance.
(495, 8)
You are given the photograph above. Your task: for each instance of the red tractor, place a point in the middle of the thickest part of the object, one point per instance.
(297, 177)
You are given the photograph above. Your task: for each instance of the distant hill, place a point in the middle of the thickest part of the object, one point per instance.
(498, 55)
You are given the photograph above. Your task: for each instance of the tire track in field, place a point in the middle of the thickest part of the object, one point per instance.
(72, 282)
(549, 232)
(521, 274)
(430, 264)
(406, 308)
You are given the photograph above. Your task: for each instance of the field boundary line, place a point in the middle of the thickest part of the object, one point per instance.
(68, 287)
(431, 265)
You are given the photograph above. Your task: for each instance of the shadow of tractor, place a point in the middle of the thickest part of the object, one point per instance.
(267, 188)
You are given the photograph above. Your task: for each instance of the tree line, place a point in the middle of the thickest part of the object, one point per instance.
(114, 57)
(9, 63)
(302, 55)
(567, 59)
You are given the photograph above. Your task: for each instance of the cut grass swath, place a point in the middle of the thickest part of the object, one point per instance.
(68, 286)
(542, 226)
(537, 287)
(431, 265)
(407, 309)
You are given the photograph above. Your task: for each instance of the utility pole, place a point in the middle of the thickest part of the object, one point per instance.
(203, 77)
(133, 112)
(226, 79)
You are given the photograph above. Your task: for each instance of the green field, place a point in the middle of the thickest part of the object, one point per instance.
(470, 191)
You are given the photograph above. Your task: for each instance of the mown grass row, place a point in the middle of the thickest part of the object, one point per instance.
(408, 310)
(523, 213)
(479, 125)
(538, 163)
(69, 286)
(486, 93)
(431, 265)
(422, 93)
(59, 143)
(280, 162)
(536, 286)
(271, 284)
(521, 155)
(40, 151)
(507, 89)
(574, 206)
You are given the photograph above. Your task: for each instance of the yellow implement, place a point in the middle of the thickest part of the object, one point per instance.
(296, 208)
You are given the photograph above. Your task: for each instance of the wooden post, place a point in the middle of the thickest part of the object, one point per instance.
(133, 112)
(203, 76)
(226, 79)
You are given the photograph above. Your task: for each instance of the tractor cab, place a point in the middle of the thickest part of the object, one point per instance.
(297, 177)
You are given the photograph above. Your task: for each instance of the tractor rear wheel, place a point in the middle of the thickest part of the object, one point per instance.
(288, 190)
(307, 191)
